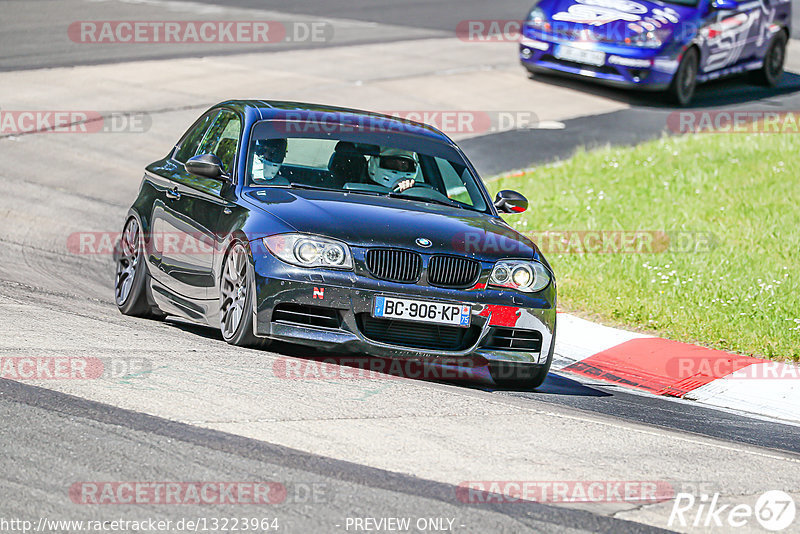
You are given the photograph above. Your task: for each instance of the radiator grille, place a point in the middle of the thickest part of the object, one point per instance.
(300, 314)
(453, 271)
(605, 69)
(394, 265)
(417, 335)
(514, 339)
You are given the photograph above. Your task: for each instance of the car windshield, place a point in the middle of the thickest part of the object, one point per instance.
(348, 165)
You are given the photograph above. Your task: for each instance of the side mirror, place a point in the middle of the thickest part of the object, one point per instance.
(725, 5)
(510, 202)
(206, 166)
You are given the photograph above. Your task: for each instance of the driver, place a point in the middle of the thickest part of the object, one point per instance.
(270, 153)
(395, 169)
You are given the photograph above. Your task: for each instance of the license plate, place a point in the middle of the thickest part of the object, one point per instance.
(422, 311)
(579, 55)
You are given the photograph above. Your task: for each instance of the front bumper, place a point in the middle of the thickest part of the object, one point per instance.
(623, 66)
(351, 295)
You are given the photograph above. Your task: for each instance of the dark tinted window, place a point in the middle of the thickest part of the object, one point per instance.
(191, 140)
(222, 139)
(353, 167)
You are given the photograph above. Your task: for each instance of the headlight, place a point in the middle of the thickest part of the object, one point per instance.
(536, 17)
(650, 39)
(527, 276)
(309, 251)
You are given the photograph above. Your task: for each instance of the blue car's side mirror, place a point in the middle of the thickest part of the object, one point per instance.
(510, 202)
(207, 166)
(725, 5)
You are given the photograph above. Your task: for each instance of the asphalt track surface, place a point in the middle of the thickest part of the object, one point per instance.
(32, 41)
(645, 119)
(207, 411)
(35, 37)
(320, 492)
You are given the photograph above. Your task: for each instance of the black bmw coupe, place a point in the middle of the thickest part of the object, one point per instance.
(340, 229)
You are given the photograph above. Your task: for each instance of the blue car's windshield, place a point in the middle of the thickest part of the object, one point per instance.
(342, 162)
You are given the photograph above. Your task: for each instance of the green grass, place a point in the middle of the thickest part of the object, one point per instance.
(742, 296)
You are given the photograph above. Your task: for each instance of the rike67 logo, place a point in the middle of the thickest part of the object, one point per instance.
(774, 510)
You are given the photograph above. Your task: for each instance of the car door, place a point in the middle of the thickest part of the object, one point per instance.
(194, 204)
(166, 175)
(733, 34)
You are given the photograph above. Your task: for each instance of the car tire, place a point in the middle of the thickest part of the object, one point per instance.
(130, 282)
(684, 82)
(522, 376)
(770, 73)
(236, 299)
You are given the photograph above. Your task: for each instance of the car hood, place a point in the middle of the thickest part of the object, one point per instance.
(373, 221)
(615, 19)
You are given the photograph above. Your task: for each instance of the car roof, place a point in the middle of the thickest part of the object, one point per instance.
(276, 109)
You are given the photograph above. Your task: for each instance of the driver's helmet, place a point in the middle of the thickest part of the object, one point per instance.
(392, 166)
(270, 153)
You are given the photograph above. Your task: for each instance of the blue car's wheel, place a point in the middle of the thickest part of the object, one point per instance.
(771, 71)
(236, 299)
(130, 282)
(681, 90)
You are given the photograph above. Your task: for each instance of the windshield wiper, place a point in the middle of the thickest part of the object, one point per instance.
(296, 185)
(451, 203)
(364, 192)
(345, 191)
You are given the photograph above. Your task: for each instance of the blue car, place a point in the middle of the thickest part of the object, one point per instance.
(341, 230)
(669, 46)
